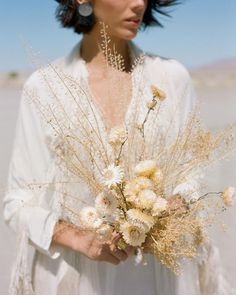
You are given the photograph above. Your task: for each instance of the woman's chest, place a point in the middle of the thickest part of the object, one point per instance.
(84, 112)
(111, 95)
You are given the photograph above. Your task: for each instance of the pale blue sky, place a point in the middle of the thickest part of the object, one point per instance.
(199, 32)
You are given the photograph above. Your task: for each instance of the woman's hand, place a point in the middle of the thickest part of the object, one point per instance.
(96, 249)
(87, 243)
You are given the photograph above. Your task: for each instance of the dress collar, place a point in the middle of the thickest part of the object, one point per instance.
(76, 65)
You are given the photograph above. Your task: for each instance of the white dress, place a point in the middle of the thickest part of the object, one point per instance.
(33, 215)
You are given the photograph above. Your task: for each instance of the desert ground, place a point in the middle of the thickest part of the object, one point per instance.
(215, 85)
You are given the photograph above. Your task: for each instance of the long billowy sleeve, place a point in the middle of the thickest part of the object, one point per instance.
(211, 275)
(184, 89)
(25, 210)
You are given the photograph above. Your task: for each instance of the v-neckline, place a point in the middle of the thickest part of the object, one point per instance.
(135, 52)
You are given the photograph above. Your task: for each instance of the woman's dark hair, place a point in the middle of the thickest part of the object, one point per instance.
(67, 14)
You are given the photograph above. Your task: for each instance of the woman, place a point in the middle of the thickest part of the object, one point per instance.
(75, 262)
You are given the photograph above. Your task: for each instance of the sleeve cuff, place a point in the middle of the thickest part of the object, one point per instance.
(40, 227)
(38, 222)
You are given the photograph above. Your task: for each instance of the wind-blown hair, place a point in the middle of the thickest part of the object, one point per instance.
(67, 14)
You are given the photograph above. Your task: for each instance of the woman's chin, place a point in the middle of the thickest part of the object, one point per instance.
(127, 34)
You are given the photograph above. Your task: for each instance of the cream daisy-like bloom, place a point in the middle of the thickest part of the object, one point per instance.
(112, 175)
(137, 217)
(106, 202)
(90, 218)
(160, 205)
(145, 168)
(133, 235)
(228, 196)
(146, 199)
(117, 135)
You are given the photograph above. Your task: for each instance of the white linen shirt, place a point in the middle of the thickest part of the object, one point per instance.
(35, 212)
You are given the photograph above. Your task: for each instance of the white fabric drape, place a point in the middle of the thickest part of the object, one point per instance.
(33, 214)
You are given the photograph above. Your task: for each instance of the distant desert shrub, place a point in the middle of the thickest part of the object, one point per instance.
(13, 75)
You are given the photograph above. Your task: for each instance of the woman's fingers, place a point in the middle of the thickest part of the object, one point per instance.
(116, 237)
(129, 250)
(120, 254)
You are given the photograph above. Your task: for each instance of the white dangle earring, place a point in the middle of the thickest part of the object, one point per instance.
(85, 9)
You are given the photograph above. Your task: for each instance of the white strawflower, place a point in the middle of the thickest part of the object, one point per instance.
(188, 190)
(106, 202)
(112, 175)
(228, 196)
(117, 135)
(90, 218)
(146, 199)
(132, 234)
(145, 168)
(160, 205)
(105, 231)
(137, 217)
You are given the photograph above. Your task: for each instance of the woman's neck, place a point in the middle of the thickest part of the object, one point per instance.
(94, 56)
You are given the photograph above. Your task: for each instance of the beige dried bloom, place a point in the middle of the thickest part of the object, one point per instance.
(133, 235)
(157, 176)
(137, 217)
(158, 93)
(159, 206)
(151, 104)
(117, 135)
(229, 196)
(145, 168)
(146, 199)
(131, 188)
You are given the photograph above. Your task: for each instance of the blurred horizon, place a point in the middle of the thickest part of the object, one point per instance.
(197, 33)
